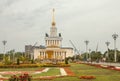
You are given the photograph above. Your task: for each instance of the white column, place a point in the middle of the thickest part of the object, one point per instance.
(62, 55)
(47, 42)
(43, 54)
(65, 55)
(53, 42)
(39, 56)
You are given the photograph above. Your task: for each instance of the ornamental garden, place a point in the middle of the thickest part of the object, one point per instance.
(19, 68)
(65, 71)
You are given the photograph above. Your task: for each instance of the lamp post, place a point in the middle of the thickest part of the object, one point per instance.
(107, 44)
(115, 53)
(4, 43)
(86, 42)
(89, 55)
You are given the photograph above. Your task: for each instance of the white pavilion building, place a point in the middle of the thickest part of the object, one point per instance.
(53, 49)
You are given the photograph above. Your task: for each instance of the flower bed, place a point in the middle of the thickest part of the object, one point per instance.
(103, 66)
(24, 77)
(45, 78)
(87, 77)
(2, 79)
(69, 72)
(22, 72)
(41, 69)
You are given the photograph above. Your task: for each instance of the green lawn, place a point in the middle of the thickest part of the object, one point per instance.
(101, 74)
(79, 70)
(51, 72)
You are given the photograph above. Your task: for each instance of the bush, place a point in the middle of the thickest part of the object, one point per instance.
(66, 60)
(18, 61)
(19, 66)
(24, 77)
(55, 65)
(32, 61)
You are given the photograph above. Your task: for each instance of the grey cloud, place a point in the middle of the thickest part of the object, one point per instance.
(78, 20)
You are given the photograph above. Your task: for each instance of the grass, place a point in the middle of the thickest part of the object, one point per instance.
(79, 70)
(51, 72)
(101, 74)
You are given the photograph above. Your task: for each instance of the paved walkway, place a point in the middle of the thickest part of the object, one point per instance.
(105, 63)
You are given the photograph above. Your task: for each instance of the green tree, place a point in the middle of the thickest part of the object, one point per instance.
(23, 59)
(111, 55)
(1, 57)
(96, 56)
(7, 60)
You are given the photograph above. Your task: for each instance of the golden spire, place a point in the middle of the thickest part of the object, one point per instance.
(53, 18)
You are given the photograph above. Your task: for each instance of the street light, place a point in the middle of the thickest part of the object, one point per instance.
(107, 44)
(115, 53)
(89, 55)
(4, 43)
(86, 42)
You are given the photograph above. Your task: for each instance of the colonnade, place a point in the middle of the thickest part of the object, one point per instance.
(53, 42)
(56, 55)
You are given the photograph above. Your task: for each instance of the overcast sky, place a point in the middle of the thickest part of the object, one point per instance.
(24, 22)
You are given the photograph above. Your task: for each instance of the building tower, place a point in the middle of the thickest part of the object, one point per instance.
(54, 39)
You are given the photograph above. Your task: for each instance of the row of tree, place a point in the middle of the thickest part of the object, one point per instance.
(11, 57)
(97, 56)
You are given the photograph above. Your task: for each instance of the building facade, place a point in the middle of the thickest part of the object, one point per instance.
(53, 49)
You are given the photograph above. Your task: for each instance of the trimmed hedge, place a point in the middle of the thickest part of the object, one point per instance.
(19, 66)
(55, 65)
(34, 65)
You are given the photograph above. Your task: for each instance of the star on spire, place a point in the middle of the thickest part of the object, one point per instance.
(53, 18)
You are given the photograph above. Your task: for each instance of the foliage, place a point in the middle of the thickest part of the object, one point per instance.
(19, 66)
(66, 60)
(24, 77)
(55, 65)
(18, 61)
(1, 56)
(22, 58)
(111, 55)
(94, 56)
(32, 61)
(7, 60)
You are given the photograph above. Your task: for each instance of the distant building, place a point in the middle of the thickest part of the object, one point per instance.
(28, 50)
(53, 49)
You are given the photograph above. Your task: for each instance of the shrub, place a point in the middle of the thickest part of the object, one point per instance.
(18, 61)
(66, 60)
(24, 77)
(19, 66)
(32, 61)
(55, 65)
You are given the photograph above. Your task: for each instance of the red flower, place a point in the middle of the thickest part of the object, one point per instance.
(69, 72)
(87, 77)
